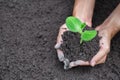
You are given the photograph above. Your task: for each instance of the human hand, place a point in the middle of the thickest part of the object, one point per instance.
(60, 53)
(107, 31)
(104, 43)
(62, 29)
(83, 10)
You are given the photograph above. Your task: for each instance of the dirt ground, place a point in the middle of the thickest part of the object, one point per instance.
(28, 30)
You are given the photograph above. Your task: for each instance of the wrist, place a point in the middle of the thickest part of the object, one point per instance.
(114, 21)
(113, 30)
(83, 10)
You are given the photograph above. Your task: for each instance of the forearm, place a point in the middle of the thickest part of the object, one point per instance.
(114, 21)
(83, 6)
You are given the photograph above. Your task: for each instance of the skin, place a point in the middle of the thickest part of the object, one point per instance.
(83, 11)
(107, 30)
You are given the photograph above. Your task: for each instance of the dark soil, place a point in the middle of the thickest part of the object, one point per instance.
(73, 50)
(28, 31)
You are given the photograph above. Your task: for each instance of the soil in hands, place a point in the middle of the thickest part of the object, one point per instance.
(73, 50)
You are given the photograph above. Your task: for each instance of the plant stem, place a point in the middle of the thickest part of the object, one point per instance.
(80, 32)
(81, 41)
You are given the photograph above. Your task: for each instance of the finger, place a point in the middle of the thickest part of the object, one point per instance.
(60, 55)
(101, 53)
(62, 29)
(86, 19)
(89, 24)
(66, 63)
(57, 45)
(59, 37)
(102, 60)
(98, 28)
(105, 48)
(82, 63)
(79, 63)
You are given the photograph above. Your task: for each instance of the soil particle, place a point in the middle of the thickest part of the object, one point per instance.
(73, 50)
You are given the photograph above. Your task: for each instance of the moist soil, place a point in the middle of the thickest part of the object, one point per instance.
(28, 32)
(73, 50)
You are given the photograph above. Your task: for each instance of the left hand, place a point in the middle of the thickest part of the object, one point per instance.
(104, 43)
(105, 34)
(107, 31)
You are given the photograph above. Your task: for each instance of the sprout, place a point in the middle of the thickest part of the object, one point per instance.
(75, 25)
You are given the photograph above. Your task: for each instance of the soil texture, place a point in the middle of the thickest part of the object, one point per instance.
(28, 32)
(73, 50)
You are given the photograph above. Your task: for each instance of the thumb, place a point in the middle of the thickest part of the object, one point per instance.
(101, 53)
(98, 28)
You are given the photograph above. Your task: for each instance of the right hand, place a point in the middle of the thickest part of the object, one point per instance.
(60, 53)
(62, 29)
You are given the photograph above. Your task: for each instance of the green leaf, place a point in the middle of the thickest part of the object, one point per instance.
(88, 35)
(74, 24)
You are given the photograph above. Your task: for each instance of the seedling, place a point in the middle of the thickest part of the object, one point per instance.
(75, 25)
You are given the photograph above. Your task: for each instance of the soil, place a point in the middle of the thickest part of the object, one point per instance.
(73, 50)
(28, 31)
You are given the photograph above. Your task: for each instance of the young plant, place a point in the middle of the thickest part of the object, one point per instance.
(75, 25)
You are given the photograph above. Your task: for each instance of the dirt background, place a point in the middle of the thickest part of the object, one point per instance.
(28, 30)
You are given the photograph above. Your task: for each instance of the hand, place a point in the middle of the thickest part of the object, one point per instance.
(104, 44)
(107, 30)
(62, 29)
(83, 10)
(60, 53)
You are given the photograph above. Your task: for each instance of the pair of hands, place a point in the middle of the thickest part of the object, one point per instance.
(106, 31)
(104, 44)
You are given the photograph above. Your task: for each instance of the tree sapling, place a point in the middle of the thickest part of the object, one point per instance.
(75, 25)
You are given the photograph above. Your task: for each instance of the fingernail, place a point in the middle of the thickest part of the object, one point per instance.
(93, 63)
(57, 46)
